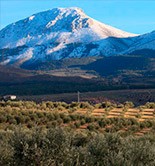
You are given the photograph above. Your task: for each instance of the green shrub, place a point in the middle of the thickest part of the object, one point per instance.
(128, 104)
(120, 106)
(134, 128)
(77, 124)
(66, 119)
(83, 121)
(3, 119)
(50, 116)
(53, 124)
(30, 124)
(56, 115)
(102, 123)
(103, 105)
(12, 121)
(85, 105)
(89, 119)
(91, 127)
(49, 104)
(27, 119)
(40, 114)
(75, 104)
(73, 117)
(150, 105)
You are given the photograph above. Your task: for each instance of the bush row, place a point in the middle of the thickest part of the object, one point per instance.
(57, 147)
(63, 105)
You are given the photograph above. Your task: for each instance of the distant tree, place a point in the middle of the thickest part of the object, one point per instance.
(128, 104)
(150, 105)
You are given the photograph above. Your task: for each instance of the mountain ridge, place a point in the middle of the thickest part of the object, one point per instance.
(62, 33)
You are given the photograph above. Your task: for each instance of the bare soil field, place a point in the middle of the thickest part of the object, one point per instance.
(145, 114)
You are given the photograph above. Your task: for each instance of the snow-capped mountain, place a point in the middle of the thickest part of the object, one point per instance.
(146, 41)
(63, 33)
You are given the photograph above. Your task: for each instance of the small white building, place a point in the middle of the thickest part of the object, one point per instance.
(9, 97)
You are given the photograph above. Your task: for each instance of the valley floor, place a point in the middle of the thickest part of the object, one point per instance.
(137, 96)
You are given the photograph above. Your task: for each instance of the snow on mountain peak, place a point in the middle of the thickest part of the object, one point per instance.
(69, 9)
(52, 21)
(61, 33)
(73, 22)
(31, 18)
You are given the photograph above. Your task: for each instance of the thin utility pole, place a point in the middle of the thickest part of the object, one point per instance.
(78, 96)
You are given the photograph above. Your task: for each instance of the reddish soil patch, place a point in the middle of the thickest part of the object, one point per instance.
(142, 132)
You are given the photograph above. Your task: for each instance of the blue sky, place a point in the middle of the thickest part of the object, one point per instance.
(133, 16)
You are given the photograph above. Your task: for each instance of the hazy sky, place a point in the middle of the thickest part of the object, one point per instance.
(135, 16)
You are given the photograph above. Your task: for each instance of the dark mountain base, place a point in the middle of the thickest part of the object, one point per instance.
(91, 74)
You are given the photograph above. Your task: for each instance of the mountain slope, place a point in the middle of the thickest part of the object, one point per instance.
(143, 42)
(113, 72)
(57, 34)
(61, 24)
